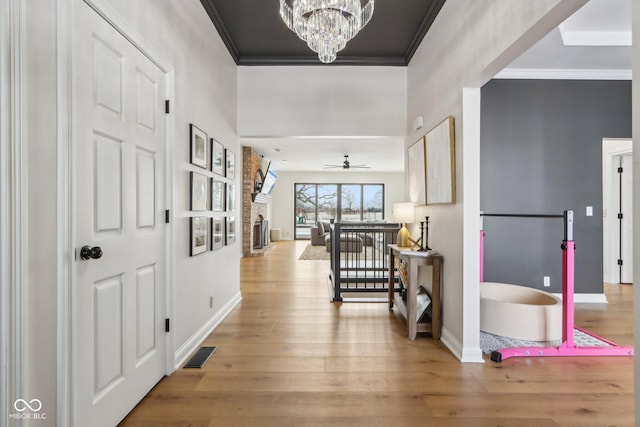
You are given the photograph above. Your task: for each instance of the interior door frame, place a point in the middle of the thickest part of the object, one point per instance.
(611, 148)
(13, 210)
(66, 194)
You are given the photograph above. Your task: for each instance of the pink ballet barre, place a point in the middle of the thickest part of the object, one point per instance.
(567, 347)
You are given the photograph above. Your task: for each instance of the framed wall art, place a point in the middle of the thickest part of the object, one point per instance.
(231, 164)
(217, 195)
(231, 197)
(199, 192)
(217, 233)
(199, 147)
(199, 234)
(441, 162)
(231, 230)
(416, 168)
(217, 158)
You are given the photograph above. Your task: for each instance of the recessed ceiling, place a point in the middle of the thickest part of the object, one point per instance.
(255, 34)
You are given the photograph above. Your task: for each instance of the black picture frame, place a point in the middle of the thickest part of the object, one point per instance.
(218, 233)
(198, 235)
(199, 147)
(199, 200)
(218, 195)
(230, 162)
(218, 165)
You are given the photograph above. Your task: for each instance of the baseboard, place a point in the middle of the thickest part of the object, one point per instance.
(587, 298)
(465, 355)
(201, 334)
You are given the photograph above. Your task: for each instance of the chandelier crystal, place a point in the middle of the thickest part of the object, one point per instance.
(326, 25)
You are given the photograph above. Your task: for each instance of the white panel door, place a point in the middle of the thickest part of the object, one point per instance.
(626, 224)
(119, 148)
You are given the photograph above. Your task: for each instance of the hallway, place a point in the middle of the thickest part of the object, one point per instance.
(286, 356)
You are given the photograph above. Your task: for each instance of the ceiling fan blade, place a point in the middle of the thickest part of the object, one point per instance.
(360, 166)
(332, 166)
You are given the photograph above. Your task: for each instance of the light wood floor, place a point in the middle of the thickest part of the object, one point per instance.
(288, 357)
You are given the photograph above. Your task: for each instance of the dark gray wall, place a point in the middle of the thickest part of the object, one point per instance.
(541, 152)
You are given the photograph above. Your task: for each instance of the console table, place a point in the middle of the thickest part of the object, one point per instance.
(413, 260)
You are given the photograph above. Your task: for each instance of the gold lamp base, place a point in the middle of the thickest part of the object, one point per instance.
(403, 240)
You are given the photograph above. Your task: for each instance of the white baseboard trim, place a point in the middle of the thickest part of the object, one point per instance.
(465, 355)
(201, 334)
(587, 298)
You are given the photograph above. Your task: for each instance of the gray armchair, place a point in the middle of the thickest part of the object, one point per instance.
(319, 233)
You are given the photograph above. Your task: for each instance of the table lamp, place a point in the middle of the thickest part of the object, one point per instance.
(404, 213)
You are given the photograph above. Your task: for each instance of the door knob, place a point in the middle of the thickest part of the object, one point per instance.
(88, 252)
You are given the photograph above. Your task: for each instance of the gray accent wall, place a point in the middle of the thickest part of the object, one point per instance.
(541, 153)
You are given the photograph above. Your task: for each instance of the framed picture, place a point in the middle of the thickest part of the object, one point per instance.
(199, 192)
(231, 230)
(217, 158)
(416, 166)
(217, 233)
(441, 164)
(217, 195)
(199, 234)
(231, 164)
(231, 197)
(199, 150)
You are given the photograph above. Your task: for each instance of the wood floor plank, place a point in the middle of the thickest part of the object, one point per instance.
(286, 356)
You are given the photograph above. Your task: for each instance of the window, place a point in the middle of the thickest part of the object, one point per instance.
(340, 202)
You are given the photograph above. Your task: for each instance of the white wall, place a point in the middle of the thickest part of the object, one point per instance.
(205, 94)
(282, 205)
(468, 43)
(321, 101)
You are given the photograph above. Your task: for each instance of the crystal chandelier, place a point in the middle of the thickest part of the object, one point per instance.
(326, 25)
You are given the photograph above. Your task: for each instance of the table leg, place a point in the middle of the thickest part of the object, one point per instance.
(391, 283)
(436, 287)
(412, 298)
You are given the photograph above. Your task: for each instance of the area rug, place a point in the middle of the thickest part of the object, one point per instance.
(489, 342)
(315, 253)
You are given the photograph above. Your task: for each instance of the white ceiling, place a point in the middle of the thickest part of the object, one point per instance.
(595, 43)
(382, 154)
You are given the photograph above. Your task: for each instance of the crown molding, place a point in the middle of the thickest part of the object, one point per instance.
(563, 74)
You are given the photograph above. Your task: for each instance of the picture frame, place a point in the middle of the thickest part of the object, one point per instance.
(198, 235)
(440, 163)
(217, 195)
(218, 165)
(199, 146)
(230, 168)
(417, 174)
(230, 228)
(230, 197)
(218, 234)
(199, 192)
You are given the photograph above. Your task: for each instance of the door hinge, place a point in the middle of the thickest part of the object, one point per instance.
(166, 216)
(166, 325)
(619, 262)
(166, 106)
(620, 216)
(620, 169)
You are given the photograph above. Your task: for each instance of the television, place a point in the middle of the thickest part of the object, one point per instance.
(263, 191)
(269, 179)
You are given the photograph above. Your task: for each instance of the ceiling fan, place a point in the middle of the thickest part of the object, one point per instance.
(346, 165)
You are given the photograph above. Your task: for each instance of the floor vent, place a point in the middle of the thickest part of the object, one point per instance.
(200, 357)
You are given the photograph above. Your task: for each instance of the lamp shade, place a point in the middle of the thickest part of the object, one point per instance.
(404, 212)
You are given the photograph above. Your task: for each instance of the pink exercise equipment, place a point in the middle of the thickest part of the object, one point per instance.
(567, 347)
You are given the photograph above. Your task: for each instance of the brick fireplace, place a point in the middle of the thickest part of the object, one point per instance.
(255, 216)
